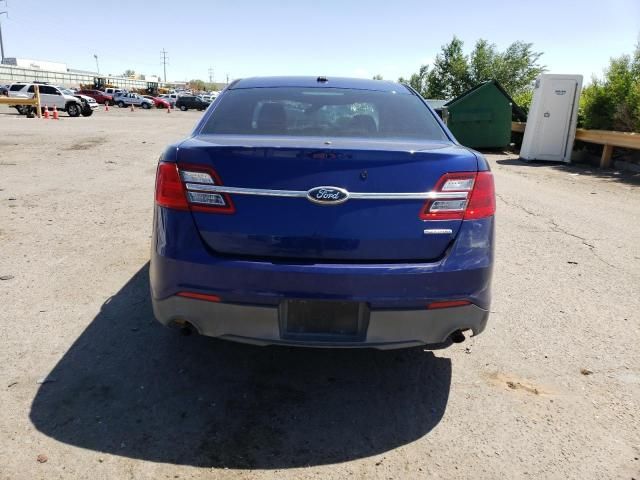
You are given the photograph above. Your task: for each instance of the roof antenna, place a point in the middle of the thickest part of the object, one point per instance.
(322, 79)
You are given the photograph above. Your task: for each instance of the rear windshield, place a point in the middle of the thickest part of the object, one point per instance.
(336, 112)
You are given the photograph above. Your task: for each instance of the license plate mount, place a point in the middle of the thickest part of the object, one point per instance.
(323, 320)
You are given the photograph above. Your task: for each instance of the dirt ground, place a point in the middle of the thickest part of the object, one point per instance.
(91, 387)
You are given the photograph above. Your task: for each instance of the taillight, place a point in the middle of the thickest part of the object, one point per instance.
(184, 187)
(169, 189)
(483, 198)
(469, 195)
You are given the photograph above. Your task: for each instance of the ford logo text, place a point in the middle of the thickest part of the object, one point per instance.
(328, 195)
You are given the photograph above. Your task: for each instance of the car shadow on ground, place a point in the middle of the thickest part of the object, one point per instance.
(130, 387)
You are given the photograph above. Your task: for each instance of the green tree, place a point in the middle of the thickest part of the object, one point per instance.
(482, 61)
(378, 77)
(129, 73)
(197, 84)
(613, 102)
(449, 76)
(418, 81)
(453, 72)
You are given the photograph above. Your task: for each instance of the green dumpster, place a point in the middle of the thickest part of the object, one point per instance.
(481, 117)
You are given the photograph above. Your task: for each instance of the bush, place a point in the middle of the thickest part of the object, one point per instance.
(613, 103)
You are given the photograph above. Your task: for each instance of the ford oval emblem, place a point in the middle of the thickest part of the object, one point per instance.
(328, 195)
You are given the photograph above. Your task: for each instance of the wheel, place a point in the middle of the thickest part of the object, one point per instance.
(146, 106)
(22, 110)
(121, 104)
(73, 110)
(87, 112)
(111, 103)
(183, 108)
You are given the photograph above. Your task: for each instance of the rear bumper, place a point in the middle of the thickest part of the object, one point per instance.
(252, 290)
(260, 325)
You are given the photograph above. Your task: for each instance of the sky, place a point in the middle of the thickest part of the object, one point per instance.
(320, 37)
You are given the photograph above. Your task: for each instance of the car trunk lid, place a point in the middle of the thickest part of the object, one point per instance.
(274, 218)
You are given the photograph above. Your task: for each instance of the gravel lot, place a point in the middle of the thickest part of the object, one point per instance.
(550, 390)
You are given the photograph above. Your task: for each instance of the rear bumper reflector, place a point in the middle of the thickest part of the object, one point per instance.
(448, 304)
(199, 296)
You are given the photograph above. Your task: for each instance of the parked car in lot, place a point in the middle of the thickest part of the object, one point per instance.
(89, 105)
(186, 102)
(158, 102)
(127, 99)
(98, 96)
(207, 97)
(114, 91)
(323, 212)
(4, 90)
(172, 98)
(50, 96)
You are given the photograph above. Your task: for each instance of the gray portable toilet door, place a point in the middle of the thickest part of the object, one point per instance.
(557, 111)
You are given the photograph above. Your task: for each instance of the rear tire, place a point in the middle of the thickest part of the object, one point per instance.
(183, 108)
(121, 104)
(87, 112)
(146, 106)
(73, 110)
(21, 109)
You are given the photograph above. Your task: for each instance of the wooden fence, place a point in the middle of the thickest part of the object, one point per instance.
(609, 140)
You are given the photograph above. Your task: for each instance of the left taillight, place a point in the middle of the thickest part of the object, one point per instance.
(188, 187)
(169, 188)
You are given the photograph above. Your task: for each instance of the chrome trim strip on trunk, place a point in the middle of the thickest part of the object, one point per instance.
(303, 194)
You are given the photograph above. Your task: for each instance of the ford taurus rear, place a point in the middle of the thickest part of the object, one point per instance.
(323, 212)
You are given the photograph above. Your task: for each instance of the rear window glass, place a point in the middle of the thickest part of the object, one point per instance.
(15, 88)
(334, 112)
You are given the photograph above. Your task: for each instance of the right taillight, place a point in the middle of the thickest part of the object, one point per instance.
(482, 202)
(187, 187)
(461, 196)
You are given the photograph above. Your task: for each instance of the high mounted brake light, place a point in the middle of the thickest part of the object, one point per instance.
(183, 187)
(477, 197)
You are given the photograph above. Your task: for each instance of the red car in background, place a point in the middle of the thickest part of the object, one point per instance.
(98, 96)
(158, 102)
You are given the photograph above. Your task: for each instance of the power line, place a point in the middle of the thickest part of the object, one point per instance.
(164, 62)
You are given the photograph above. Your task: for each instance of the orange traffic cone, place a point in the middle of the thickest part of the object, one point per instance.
(106, 106)
(55, 113)
(132, 108)
(46, 113)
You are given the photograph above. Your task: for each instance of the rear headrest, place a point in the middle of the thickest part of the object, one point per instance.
(272, 118)
(365, 123)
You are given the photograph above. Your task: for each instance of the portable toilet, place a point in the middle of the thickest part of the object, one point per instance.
(481, 117)
(553, 116)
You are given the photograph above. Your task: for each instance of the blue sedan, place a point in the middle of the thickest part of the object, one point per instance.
(325, 212)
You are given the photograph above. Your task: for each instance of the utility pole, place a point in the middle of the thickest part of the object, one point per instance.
(1, 43)
(210, 75)
(97, 66)
(164, 63)
(227, 79)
